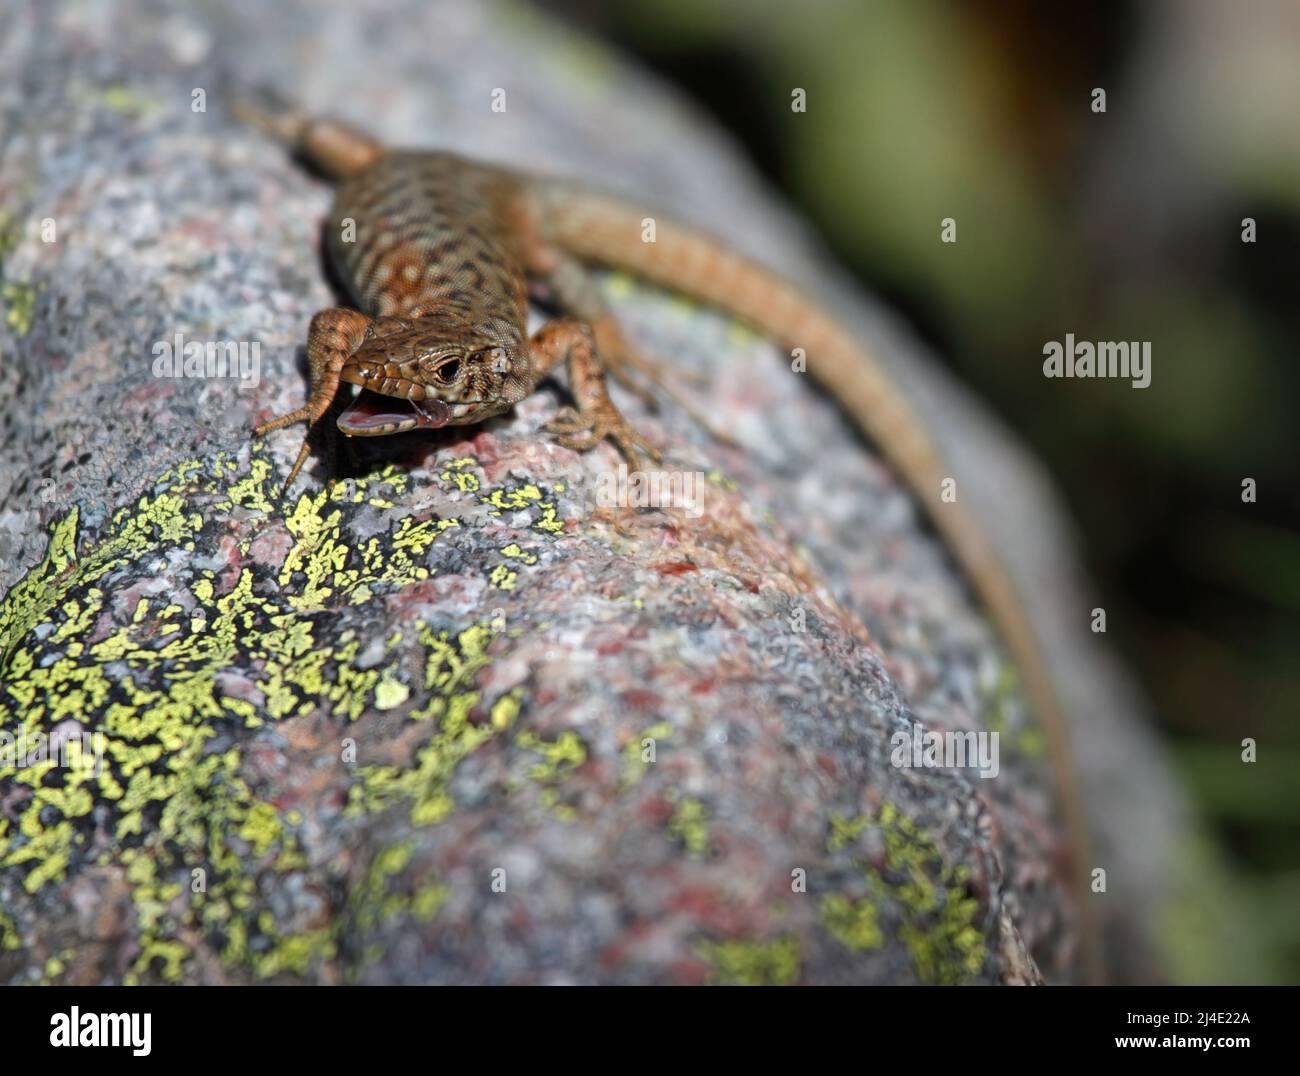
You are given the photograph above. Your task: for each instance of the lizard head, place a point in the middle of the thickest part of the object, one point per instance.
(436, 370)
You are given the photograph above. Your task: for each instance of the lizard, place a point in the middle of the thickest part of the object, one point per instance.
(438, 252)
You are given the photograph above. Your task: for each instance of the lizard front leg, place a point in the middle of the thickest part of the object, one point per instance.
(579, 295)
(333, 337)
(596, 418)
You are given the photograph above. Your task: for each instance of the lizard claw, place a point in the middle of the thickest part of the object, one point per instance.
(583, 432)
(568, 422)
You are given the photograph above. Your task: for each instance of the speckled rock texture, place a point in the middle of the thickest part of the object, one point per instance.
(455, 720)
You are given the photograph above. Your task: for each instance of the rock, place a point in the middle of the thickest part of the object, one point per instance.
(452, 720)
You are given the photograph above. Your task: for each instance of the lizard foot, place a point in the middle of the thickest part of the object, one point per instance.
(582, 432)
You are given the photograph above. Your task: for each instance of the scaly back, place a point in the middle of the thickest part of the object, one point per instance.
(417, 233)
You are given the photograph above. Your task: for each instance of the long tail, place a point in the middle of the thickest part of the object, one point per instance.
(608, 231)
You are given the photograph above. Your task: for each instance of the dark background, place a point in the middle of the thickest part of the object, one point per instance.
(1125, 225)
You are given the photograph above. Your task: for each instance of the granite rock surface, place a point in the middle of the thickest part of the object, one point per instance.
(457, 719)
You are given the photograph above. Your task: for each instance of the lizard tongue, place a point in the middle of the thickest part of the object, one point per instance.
(371, 413)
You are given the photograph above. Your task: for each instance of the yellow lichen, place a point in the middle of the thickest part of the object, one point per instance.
(634, 760)
(938, 918)
(195, 840)
(690, 825)
(855, 923)
(19, 299)
(752, 963)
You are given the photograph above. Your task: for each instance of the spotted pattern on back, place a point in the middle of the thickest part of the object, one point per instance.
(431, 233)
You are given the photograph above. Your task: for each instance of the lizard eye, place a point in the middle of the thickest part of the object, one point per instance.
(446, 373)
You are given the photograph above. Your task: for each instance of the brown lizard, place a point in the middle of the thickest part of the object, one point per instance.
(438, 252)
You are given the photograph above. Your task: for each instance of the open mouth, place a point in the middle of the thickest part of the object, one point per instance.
(372, 415)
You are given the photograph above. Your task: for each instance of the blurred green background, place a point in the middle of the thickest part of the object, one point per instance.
(1125, 225)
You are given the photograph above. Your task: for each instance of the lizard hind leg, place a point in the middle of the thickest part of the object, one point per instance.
(332, 339)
